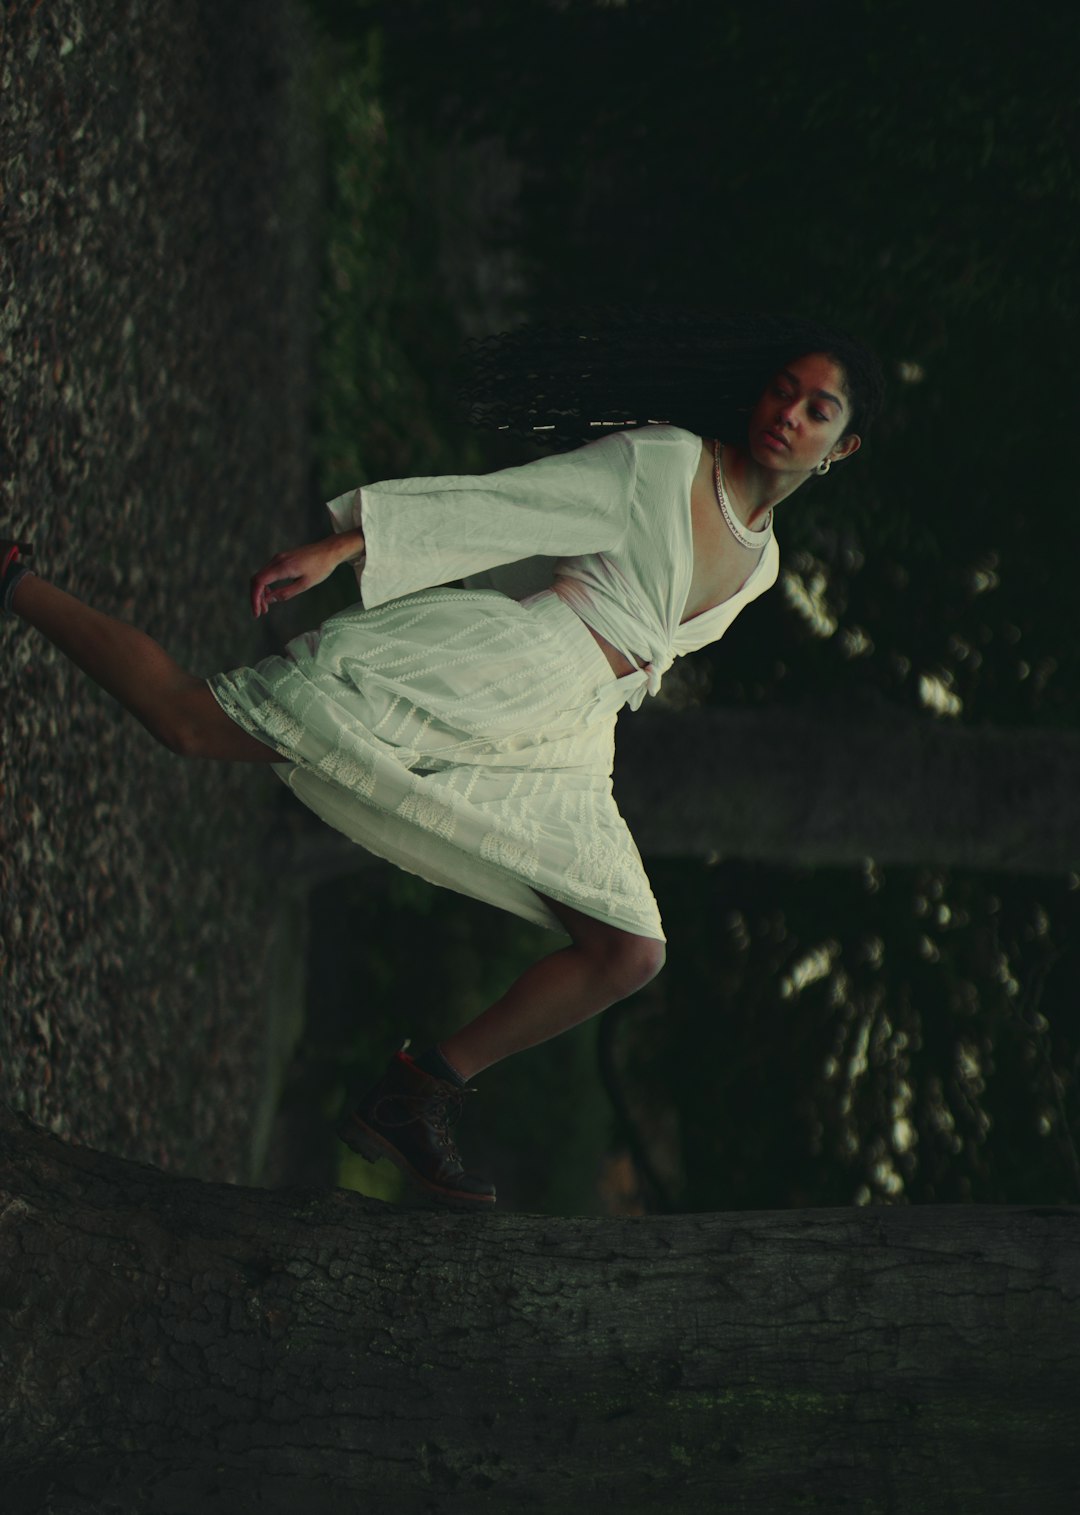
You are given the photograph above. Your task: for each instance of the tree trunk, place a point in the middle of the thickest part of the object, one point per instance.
(171, 1346)
(785, 786)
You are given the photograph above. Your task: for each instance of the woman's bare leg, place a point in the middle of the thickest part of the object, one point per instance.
(174, 706)
(603, 966)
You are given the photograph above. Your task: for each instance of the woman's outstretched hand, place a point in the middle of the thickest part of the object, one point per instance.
(289, 573)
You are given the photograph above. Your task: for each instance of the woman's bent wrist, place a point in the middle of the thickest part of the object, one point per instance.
(348, 546)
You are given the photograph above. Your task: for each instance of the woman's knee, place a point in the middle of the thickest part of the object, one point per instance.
(641, 960)
(183, 722)
(174, 720)
(627, 962)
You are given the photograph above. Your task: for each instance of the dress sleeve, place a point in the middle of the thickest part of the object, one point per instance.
(426, 531)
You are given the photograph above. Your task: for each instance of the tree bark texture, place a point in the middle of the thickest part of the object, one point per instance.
(790, 787)
(176, 1346)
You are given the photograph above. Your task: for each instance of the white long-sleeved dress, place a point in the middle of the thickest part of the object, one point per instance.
(468, 734)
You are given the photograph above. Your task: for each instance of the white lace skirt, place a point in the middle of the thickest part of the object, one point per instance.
(464, 736)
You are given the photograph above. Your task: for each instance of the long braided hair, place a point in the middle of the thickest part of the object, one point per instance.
(563, 382)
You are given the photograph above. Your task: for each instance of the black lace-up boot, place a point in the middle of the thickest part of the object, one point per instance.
(406, 1117)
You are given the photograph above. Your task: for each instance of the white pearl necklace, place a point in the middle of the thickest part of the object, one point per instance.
(749, 539)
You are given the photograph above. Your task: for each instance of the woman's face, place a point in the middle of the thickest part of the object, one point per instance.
(800, 418)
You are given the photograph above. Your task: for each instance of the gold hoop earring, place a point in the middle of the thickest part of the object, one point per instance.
(824, 466)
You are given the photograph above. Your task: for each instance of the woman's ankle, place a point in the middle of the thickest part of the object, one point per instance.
(434, 1062)
(13, 569)
(11, 582)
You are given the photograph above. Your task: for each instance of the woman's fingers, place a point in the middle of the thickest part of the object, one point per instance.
(270, 587)
(290, 590)
(261, 603)
(289, 573)
(276, 571)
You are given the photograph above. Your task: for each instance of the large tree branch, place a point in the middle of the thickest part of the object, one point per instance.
(788, 786)
(169, 1344)
(784, 786)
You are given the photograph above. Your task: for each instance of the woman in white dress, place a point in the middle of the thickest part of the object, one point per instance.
(467, 734)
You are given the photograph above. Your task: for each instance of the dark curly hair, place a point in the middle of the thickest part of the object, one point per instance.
(566, 381)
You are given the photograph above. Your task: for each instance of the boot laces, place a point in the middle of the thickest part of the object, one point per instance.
(437, 1111)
